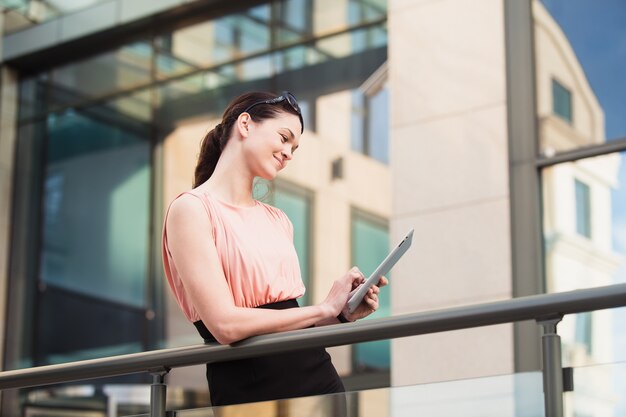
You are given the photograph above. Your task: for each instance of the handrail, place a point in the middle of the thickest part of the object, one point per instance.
(536, 307)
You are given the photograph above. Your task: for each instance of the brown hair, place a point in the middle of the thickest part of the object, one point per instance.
(215, 140)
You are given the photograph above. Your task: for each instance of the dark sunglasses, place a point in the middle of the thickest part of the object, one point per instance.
(286, 95)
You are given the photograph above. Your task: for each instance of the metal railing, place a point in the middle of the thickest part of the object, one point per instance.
(546, 309)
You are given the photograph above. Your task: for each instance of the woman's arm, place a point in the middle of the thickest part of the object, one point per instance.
(190, 243)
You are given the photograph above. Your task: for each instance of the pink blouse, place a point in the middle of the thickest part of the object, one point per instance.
(256, 251)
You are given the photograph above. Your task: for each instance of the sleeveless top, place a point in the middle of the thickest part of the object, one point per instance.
(256, 251)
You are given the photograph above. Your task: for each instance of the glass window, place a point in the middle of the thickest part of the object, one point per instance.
(598, 261)
(210, 43)
(362, 11)
(378, 125)
(370, 123)
(98, 123)
(561, 101)
(370, 245)
(575, 44)
(583, 209)
(105, 73)
(294, 20)
(94, 254)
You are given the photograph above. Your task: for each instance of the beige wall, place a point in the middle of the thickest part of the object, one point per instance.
(8, 117)
(450, 181)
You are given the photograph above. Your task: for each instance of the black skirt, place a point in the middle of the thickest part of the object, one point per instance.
(285, 375)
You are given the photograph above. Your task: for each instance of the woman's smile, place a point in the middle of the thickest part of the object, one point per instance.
(281, 164)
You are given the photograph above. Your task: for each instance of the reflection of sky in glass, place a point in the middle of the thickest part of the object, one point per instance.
(597, 33)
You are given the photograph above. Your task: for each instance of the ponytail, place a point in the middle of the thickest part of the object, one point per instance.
(210, 151)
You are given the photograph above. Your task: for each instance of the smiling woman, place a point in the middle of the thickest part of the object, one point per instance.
(231, 263)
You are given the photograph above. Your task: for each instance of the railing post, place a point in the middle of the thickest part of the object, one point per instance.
(158, 391)
(552, 366)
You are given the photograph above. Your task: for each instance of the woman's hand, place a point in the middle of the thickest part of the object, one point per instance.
(368, 305)
(341, 290)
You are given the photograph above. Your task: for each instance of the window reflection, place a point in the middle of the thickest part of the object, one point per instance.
(214, 42)
(95, 231)
(267, 27)
(584, 208)
(370, 117)
(294, 20)
(580, 72)
(126, 67)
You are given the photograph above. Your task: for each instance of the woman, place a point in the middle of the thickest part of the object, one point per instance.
(231, 263)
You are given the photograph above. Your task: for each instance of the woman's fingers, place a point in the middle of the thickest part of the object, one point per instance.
(372, 301)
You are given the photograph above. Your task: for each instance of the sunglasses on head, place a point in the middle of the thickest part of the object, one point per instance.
(286, 95)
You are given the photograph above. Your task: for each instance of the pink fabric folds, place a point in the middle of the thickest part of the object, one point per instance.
(256, 252)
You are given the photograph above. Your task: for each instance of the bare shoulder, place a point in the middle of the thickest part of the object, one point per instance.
(187, 209)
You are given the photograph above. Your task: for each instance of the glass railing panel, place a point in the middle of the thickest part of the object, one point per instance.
(598, 391)
(517, 395)
(127, 395)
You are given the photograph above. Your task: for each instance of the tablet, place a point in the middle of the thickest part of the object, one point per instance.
(384, 267)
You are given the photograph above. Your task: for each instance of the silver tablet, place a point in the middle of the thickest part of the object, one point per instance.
(384, 267)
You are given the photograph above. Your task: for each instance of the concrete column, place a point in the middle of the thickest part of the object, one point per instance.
(449, 162)
(8, 134)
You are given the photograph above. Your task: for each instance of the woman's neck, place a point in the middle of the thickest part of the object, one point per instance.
(231, 182)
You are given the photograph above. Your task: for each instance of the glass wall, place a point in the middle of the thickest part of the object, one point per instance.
(106, 142)
(581, 84)
(94, 253)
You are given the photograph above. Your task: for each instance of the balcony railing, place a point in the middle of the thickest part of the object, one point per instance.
(546, 309)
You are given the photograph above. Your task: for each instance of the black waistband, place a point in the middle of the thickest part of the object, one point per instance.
(280, 305)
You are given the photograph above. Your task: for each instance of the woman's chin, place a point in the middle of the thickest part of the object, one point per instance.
(269, 176)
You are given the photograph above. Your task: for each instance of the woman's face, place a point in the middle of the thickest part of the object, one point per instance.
(271, 143)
